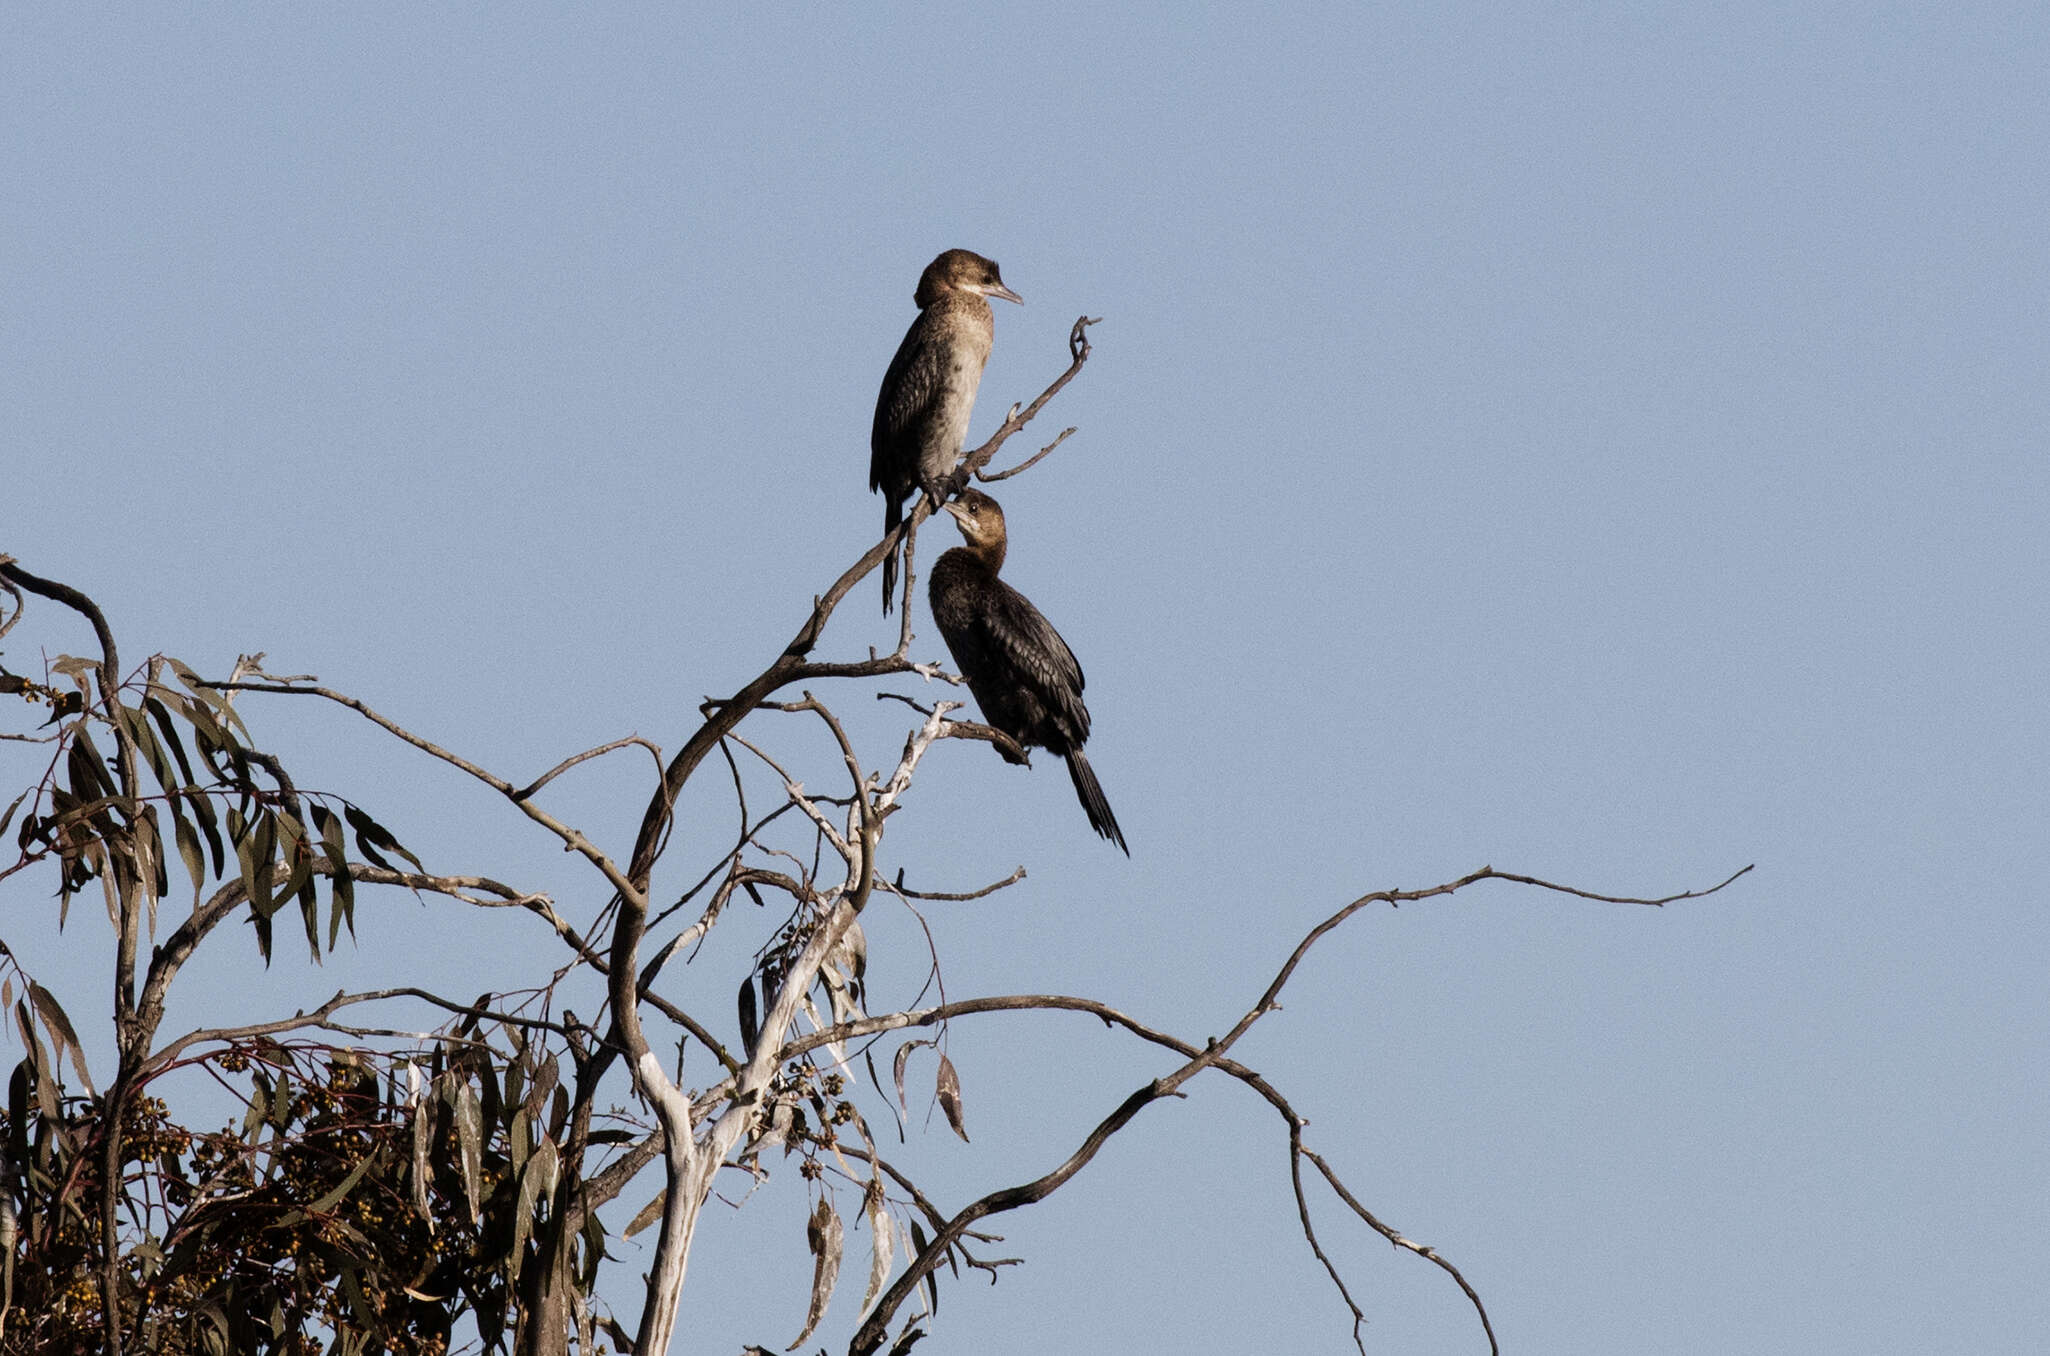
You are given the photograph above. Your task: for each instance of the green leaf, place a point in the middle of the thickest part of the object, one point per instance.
(281, 1103)
(9, 815)
(294, 857)
(146, 744)
(203, 810)
(193, 855)
(372, 836)
(89, 780)
(162, 715)
(253, 1117)
(262, 841)
(297, 857)
(341, 889)
(536, 1180)
(516, 1141)
(919, 1244)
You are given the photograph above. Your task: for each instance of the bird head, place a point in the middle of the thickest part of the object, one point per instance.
(962, 271)
(980, 519)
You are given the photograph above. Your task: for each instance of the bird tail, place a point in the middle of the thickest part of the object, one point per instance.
(1091, 796)
(893, 514)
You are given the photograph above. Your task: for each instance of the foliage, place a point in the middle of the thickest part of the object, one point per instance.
(369, 1198)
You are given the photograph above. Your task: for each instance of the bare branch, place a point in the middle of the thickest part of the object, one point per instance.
(1427, 1253)
(872, 1332)
(20, 603)
(991, 477)
(571, 838)
(568, 763)
(899, 887)
(1078, 353)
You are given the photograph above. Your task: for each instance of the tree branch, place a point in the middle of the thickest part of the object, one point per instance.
(872, 1332)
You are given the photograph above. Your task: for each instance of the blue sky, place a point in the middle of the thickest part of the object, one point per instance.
(1600, 441)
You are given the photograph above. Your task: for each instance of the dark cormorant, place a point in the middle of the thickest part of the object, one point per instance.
(1023, 675)
(922, 410)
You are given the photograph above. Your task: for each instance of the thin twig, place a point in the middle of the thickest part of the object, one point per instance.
(899, 887)
(571, 838)
(991, 477)
(570, 762)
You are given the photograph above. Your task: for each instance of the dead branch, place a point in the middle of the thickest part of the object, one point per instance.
(566, 764)
(900, 888)
(991, 477)
(875, 1328)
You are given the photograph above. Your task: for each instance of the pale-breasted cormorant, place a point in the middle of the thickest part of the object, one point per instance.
(922, 410)
(1023, 675)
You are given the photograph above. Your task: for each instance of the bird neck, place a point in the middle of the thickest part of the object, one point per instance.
(989, 554)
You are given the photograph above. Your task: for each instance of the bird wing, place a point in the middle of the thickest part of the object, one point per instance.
(1036, 651)
(913, 382)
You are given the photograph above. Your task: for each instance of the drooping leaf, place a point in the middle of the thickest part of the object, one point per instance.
(750, 1020)
(61, 1033)
(253, 851)
(149, 848)
(647, 1214)
(41, 1069)
(932, 1281)
(826, 1236)
(89, 779)
(516, 1139)
(371, 837)
(537, 1179)
(423, 1140)
(469, 1143)
(137, 725)
(17, 1110)
(281, 1102)
(9, 815)
(193, 855)
(253, 1117)
(558, 1117)
(897, 1071)
(341, 888)
(546, 1074)
(162, 715)
(849, 955)
(948, 1089)
(295, 862)
(202, 807)
(882, 1239)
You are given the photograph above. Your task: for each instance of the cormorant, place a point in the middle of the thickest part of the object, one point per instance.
(923, 407)
(1023, 675)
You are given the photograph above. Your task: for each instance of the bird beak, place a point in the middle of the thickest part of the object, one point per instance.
(960, 514)
(999, 290)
